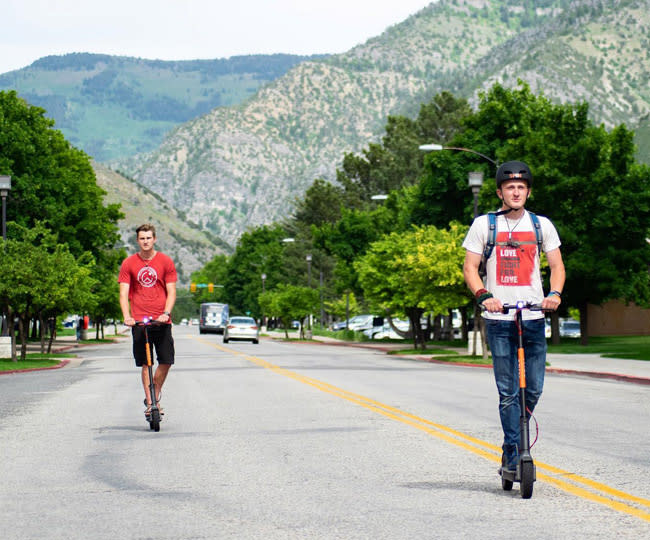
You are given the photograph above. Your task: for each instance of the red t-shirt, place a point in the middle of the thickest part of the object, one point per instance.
(147, 283)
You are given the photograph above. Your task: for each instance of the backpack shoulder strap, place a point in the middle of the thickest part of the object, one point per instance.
(538, 231)
(491, 242)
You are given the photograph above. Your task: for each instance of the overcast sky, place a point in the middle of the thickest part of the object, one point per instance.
(190, 29)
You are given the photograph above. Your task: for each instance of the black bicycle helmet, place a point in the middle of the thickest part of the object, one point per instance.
(514, 170)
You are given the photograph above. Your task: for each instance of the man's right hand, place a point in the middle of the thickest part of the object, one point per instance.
(129, 321)
(493, 305)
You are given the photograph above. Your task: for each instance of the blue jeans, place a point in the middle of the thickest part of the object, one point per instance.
(503, 342)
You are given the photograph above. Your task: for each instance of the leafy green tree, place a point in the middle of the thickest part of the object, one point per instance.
(415, 272)
(215, 272)
(48, 280)
(52, 182)
(321, 204)
(397, 161)
(106, 290)
(259, 251)
(349, 238)
(289, 303)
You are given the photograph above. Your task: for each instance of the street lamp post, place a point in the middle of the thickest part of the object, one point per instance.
(475, 182)
(263, 291)
(5, 187)
(308, 259)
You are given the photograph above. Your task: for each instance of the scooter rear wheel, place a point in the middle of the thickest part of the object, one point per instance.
(527, 479)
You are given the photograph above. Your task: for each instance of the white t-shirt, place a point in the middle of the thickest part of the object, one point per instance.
(513, 271)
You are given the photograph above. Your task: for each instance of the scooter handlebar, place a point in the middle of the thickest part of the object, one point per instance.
(523, 305)
(149, 322)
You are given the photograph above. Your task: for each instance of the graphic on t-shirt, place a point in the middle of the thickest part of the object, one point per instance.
(515, 258)
(147, 276)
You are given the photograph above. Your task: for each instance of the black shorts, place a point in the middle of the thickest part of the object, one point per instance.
(160, 338)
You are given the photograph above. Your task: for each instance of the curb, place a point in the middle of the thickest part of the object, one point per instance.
(634, 379)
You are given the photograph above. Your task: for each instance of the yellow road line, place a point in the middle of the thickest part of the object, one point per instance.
(564, 480)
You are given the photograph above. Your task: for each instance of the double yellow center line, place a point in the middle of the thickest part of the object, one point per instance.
(566, 481)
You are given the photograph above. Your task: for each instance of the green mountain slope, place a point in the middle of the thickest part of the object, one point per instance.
(113, 106)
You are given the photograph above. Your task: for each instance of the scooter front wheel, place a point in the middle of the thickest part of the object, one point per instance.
(154, 423)
(527, 479)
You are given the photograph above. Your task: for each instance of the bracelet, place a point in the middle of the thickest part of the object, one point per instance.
(555, 293)
(480, 292)
(484, 297)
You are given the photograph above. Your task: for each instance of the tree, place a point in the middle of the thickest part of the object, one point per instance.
(215, 272)
(52, 182)
(48, 280)
(397, 161)
(259, 251)
(416, 272)
(289, 303)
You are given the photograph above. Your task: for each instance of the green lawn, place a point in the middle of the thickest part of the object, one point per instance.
(33, 360)
(631, 347)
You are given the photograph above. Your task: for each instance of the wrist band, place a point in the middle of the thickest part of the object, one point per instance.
(482, 298)
(480, 292)
(555, 293)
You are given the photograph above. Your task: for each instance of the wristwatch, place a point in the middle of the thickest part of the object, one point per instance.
(166, 313)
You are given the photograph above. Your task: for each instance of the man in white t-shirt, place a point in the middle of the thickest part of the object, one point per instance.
(513, 274)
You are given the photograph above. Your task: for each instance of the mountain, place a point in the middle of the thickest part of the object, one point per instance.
(114, 106)
(242, 166)
(189, 246)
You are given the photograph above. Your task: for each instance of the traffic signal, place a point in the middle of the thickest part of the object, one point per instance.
(192, 287)
(210, 287)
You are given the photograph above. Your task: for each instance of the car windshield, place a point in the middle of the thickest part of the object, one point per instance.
(571, 324)
(242, 320)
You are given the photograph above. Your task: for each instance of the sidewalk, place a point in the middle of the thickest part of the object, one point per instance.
(591, 365)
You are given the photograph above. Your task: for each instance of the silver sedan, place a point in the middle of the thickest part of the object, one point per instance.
(241, 328)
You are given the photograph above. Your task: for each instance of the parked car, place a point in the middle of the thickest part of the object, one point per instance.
(570, 328)
(358, 322)
(386, 331)
(241, 328)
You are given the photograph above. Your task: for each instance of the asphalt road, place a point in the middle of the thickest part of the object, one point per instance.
(287, 440)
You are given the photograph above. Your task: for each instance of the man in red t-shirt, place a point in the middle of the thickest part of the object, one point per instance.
(148, 289)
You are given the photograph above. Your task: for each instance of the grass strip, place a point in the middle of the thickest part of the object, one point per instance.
(32, 361)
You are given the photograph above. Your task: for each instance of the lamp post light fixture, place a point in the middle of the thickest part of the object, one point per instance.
(5, 188)
(475, 182)
(438, 147)
(379, 197)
